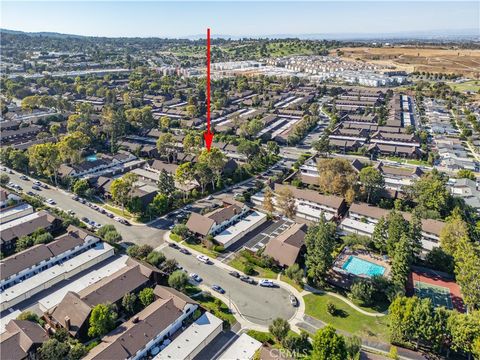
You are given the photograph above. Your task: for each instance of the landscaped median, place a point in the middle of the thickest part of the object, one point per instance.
(345, 317)
(249, 264)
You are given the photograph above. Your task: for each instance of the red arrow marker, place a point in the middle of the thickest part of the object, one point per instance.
(208, 135)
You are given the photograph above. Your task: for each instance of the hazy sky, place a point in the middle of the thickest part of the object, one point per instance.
(170, 19)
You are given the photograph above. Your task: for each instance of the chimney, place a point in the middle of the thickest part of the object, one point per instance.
(67, 323)
(135, 319)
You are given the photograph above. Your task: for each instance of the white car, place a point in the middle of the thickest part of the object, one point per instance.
(266, 283)
(203, 259)
(196, 277)
(50, 201)
(38, 183)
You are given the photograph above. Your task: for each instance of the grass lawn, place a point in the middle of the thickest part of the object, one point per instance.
(472, 85)
(239, 263)
(202, 249)
(119, 212)
(348, 319)
(291, 282)
(191, 290)
(175, 237)
(408, 161)
(217, 307)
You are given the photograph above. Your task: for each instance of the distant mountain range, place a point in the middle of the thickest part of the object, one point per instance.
(435, 35)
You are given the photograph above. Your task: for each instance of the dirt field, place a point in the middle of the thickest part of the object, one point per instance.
(435, 60)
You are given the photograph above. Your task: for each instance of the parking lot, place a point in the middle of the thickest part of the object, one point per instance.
(274, 229)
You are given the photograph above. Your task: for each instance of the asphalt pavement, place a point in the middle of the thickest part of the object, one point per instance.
(257, 304)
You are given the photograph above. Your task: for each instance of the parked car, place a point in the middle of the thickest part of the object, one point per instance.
(185, 251)
(23, 177)
(31, 193)
(266, 283)
(293, 300)
(203, 259)
(36, 187)
(50, 201)
(247, 279)
(210, 197)
(218, 289)
(71, 212)
(195, 277)
(234, 274)
(75, 197)
(85, 219)
(173, 245)
(45, 186)
(38, 183)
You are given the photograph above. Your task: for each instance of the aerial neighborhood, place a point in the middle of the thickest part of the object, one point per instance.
(335, 214)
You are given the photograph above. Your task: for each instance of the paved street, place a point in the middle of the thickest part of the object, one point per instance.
(257, 304)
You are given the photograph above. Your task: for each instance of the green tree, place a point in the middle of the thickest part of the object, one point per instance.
(77, 351)
(431, 194)
(353, 345)
(466, 174)
(467, 271)
(279, 328)
(465, 331)
(30, 316)
(129, 302)
(203, 174)
(320, 242)
(215, 159)
(45, 159)
(156, 258)
(328, 345)
(372, 181)
(81, 186)
(166, 183)
(178, 280)
(146, 296)
(53, 349)
(363, 291)
(102, 320)
(455, 228)
(401, 262)
(4, 179)
(295, 273)
(159, 204)
(166, 145)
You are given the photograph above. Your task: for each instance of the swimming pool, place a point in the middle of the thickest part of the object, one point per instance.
(357, 266)
(92, 157)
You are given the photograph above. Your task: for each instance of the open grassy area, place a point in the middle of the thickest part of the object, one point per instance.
(291, 282)
(175, 237)
(239, 263)
(119, 212)
(217, 307)
(191, 290)
(408, 161)
(472, 85)
(347, 319)
(202, 249)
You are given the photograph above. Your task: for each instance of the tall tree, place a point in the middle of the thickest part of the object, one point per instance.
(45, 159)
(279, 328)
(372, 181)
(320, 242)
(286, 202)
(166, 183)
(467, 271)
(401, 262)
(268, 205)
(102, 320)
(337, 176)
(328, 345)
(165, 145)
(455, 228)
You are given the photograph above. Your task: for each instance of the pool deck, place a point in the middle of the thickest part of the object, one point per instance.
(361, 254)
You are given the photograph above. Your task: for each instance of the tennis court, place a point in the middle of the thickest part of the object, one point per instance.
(439, 295)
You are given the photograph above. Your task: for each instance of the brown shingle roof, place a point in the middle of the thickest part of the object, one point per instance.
(332, 201)
(199, 224)
(286, 247)
(19, 337)
(131, 336)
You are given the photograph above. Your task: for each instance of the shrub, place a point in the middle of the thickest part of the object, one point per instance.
(155, 258)
(331, 308)
(180, 230)
(263, 337)
(248, 269)
(363, 291)
(178, 280)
